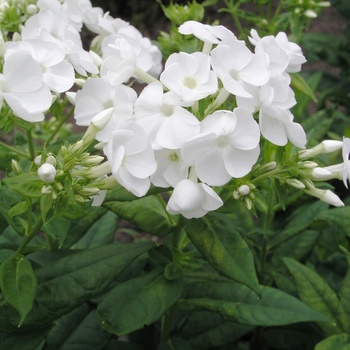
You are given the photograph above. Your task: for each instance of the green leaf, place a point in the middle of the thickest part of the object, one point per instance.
(174, 343)
(23, 340)
(100, 233)
(337, 341)
(18, 284)
(72, 280)
(339, 216)
(78, 229)
(79, 329)
(46, 203)
(206, 330)
(298, 222)
(148, 213)
(315, 292)
(138, 302)
(27, 184)
(18, 209)
(222, 246)
(300, 84)
(345, 293)
(236, 303)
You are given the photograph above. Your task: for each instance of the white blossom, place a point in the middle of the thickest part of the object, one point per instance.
(47, 172)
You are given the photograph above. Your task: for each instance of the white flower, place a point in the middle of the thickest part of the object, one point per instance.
(227, 146)
(235, 64)
(346, 161)
(97, 96)
(208, 34)
(193, 200)
(171, 168)
(47, 172)
(292, 50)
(166, 123)
(273, 101)
(22, 86)
(58, 74)
(189, 76)
(131, 157)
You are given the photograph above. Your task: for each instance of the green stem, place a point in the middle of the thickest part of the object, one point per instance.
(267, 222)
(63, 121)
(13, 150)
(28, 237)
(49, 243)
(30, 144)
(166, 326)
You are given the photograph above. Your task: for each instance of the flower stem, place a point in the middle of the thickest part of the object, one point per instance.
(29, 236)
(13, 150)
(30, 144)
(63, 121)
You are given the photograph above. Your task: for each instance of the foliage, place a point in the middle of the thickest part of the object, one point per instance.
(269, 269)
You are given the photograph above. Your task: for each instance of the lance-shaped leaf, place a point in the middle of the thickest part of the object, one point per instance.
(315, 292)
(27, 184)
(337, 341)
(223, 247)
(148, 213)
(236, 303)
(72, 280)
(18, 284)
(138, 302)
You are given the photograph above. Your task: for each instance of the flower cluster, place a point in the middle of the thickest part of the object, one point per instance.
(196, 124)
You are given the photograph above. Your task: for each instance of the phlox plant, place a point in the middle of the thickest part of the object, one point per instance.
(161, 198)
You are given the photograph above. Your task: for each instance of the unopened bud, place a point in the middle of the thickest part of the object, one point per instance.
(268, 167)
(89, 191)
(321, 173)
(16, 37)
(326, 146)
(47, 189)
(295, 183)
(95, 58)
(31, 9)
(308, 164)
(78, 146)
(51, 159)
(17, 169)
(92, 160)
(248, 203)
(47, 172)
(326, 196)
(243, 190)
(37, 160)
(79, 199)
(311, 14)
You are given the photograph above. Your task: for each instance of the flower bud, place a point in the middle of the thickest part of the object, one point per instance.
(37, 160)
(31, 9)
(47, 172)
(308, 164)
(311, 14)
(47, 189)
(321, 173)
(326, 196)
(243, 190)
(51, 159)
(89, 191)
(17, 169)
(326, 146)
(295, 183)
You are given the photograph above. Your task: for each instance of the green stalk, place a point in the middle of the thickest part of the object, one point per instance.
(30, 144)
(63, 121)
(29, 235)
(13, 150)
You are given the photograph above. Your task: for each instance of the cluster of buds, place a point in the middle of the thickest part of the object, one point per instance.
(245, 193)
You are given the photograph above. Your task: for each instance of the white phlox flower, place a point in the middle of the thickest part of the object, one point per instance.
(23, 88)
(166, 123)
(235, 64)
(119, 60)
(193, 200)
(189, 76)
(292, 50)
(346, 161)
(227, 146)
(97, 96)
(272, 101)
(131, 157)
(208, 34)
(54, 25)
(171, 168)
(58, 74)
